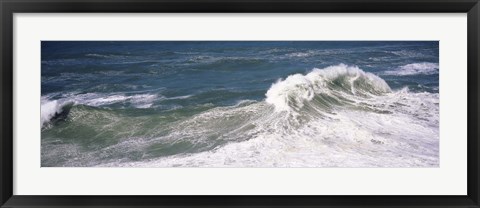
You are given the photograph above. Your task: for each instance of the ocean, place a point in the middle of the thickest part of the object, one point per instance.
(255, 104)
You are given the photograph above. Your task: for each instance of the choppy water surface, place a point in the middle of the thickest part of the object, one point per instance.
(240, 104)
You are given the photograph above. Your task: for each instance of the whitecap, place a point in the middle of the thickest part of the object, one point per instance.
(426, 68)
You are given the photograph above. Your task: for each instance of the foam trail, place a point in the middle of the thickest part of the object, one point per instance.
(50, 108)
(426, 68)
(94, 99)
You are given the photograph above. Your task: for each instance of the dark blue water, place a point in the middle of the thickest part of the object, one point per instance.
(238, 70)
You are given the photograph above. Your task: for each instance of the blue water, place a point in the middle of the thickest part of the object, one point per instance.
(111, 103)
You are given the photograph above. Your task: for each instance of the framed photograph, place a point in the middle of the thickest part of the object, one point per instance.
(270, 103)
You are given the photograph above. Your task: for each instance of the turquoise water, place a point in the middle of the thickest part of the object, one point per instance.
(240, 104)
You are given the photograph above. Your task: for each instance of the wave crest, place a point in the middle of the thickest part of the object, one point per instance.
(328, 86)
(51, 109)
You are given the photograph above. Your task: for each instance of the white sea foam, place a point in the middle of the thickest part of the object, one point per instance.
(407, 53)
(415, 68)
(179, 97)
(301, 54)
(95, 55)
(98, 99)
(48, 110)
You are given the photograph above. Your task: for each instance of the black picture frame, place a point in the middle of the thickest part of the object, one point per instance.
(9, 7)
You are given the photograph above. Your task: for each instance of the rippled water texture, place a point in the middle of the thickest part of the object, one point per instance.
(240, 104)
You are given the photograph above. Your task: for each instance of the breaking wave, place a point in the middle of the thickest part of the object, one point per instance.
(51, 108)
(331, 117)
(325, 87)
